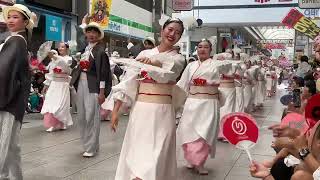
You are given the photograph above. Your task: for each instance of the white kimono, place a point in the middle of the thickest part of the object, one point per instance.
(260, 87)
(228, 95)
(200, 117)
(269, 81)
(239, 90)
(249, 76)
(109, 102)
(57, 98)
(149, 147)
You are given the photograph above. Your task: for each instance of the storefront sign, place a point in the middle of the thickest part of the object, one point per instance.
(274, 46)
(299, 22)
(227, 35)
(280, 41)
(309, 4)
(100, 12)
(261, 1)
(311, 13)
(53, 28)
(114, 26)
(182, 5)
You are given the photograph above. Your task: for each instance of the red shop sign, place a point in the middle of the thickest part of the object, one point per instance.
(182, 5)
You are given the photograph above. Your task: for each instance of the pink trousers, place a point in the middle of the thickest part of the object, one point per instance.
(50, 121)
(196, 152)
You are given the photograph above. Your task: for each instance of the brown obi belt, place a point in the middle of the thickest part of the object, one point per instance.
(155, 93)
(204, 92)
(227, 83)
(60, 77)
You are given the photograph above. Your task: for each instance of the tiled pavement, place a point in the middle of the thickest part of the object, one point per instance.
(52, 156)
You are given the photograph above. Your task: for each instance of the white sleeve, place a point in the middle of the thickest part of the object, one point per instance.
(184, 81)
(316, 174)
(83, 25)
(127, 89)
(176, 65)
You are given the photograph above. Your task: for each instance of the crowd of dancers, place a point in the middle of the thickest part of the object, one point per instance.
(200, 92)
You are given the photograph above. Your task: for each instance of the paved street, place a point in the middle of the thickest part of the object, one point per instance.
(58, 155)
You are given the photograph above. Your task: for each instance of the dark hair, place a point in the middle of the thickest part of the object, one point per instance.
(93, 29)
(311, 85)
(66, 44)
(206, 40)
(148, 42)
(304, 59)
(309, 77)
(299, 81)
(173, 20)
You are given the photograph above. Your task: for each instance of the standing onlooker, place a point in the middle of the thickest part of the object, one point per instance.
(15, 78)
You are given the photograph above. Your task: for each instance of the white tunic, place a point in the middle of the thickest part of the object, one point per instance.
(269, 81)
(248, 94)
(149, 146)
(57, 99)
(228, 95)
(260, 87)
(239, 90)
(200, 117)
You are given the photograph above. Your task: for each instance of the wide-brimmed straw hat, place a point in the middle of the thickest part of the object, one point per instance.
(23, 10)
(97, 26)
(148, 38)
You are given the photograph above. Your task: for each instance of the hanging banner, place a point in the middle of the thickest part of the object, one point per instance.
(53, 28)
(100, 12)
(299, 22)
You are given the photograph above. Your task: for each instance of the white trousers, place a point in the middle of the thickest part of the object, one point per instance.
(88, 117)
(10, 158)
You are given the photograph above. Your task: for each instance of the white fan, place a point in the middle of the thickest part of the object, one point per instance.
(43, 51)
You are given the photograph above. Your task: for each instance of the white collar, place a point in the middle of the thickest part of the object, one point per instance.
(17, 32)
(91, 45)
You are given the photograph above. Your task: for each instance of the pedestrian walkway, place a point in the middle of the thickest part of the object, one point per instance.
(58, 155)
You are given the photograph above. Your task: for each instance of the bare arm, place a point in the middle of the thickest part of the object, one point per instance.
(115, 115)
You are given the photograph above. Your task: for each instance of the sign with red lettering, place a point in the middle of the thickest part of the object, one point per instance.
(299, 22)
(182, 5)
(240, 129)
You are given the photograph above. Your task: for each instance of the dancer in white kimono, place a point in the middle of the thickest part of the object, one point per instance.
(248, 81)
(56, 106)
(107, 106)
(227, 89)
(199, 124)
(274, 76)
(268, 77)
(239, 83)
(260, 86)
(149, 147)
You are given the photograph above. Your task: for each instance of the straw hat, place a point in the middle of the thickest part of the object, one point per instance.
(23, 10)
(97, 26)
(149, 39)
